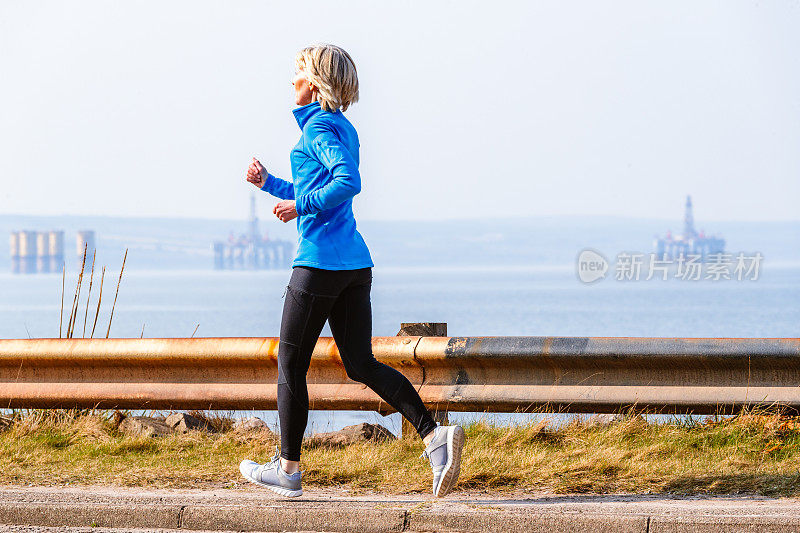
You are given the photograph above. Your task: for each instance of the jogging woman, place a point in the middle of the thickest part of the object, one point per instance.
(332, 275)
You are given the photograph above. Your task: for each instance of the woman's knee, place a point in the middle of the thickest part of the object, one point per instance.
(363, 371)
(293, 363)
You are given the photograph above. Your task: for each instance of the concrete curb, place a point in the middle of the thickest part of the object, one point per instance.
(222, 518)
(507, 522)
(252, 510)
(90, 515)
(294, 519)
(724, 524)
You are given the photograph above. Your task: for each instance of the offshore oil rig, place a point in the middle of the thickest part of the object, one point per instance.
(671, 247)
(43, 251)
(251, 251)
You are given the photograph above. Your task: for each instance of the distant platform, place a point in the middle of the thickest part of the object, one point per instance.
(265, 255)
(690, 242)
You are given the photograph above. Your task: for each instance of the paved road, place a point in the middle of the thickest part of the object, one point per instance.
(250, 508)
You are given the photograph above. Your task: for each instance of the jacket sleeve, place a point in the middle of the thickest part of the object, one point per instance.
(346, 181)
(278, 187)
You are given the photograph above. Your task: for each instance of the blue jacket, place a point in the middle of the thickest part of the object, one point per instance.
(325, 178)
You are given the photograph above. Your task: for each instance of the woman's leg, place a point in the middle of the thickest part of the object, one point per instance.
(309, 297)
(351, 325)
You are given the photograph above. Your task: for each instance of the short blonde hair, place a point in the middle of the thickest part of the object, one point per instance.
(333, 73)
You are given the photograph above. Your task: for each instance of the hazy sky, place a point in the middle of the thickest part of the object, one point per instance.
(468, 109)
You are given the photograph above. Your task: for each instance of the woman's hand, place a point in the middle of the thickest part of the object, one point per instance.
(256, 173)
(285, 210)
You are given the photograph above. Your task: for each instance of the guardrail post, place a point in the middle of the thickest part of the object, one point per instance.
(422, 329)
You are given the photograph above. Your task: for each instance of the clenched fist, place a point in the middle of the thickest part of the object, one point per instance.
(256, 173)
(285, 210)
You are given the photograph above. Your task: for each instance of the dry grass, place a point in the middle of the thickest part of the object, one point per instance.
(754, 452)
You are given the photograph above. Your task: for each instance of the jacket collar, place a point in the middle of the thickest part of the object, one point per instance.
(303, 113)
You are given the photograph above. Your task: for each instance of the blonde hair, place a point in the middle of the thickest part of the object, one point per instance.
(333, 73)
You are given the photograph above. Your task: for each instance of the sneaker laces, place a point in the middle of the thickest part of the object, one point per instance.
(427, 456)
(270, 464)
(425, 453)
(277, 455)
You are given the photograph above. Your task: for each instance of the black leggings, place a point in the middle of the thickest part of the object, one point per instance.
(342, 297)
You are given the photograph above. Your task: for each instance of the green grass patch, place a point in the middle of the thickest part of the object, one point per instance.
(753, 452)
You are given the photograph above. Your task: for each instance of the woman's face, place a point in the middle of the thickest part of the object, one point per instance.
(303, 93)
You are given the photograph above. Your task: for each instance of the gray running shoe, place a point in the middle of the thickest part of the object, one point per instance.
(272, 476)
(444, 453)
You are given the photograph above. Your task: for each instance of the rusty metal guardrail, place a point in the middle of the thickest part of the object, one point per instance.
(501, 374)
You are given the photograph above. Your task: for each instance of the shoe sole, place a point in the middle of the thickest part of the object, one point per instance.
(274, 488)
(455, 442)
